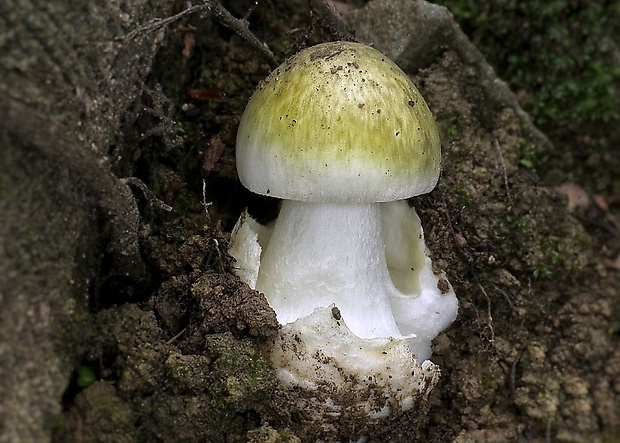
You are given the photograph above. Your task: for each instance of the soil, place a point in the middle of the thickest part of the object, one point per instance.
(533, 355)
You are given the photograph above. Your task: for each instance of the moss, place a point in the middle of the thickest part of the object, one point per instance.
(541, 272)
(464, 198)
(449, 128)
(556, 53)
(521, 222)
(238, 372)
(85, 376)
(266, 434)
(552, 250)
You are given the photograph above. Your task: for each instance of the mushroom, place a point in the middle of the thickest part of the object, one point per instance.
(336, 131)
(342, 135)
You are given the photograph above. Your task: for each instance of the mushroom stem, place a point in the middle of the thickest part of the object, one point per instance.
(321, 254)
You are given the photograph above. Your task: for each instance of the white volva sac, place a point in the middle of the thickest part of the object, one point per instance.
(343, 136)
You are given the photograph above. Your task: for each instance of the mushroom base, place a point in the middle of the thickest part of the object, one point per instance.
(334, 373)
(343, 375)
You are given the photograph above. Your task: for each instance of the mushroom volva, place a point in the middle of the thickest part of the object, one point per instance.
(342, 135)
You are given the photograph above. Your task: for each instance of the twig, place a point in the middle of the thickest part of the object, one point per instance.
(549, 429)
(161, 108)
(206, 204)
(501, 158)
(150, 196)
(501, 291)
(513, 368)
(240, 26)
(329, 17)
(448, 219)
(223, 259)
(177, 336)
(492, 340)
(159, 23)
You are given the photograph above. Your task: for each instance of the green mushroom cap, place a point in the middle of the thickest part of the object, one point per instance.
(338, 122)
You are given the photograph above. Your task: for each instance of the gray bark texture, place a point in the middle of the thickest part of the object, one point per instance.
(67, 76)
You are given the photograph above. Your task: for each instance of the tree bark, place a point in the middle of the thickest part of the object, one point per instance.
(67, 77)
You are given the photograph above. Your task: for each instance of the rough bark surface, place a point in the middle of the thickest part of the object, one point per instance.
(67, 76)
